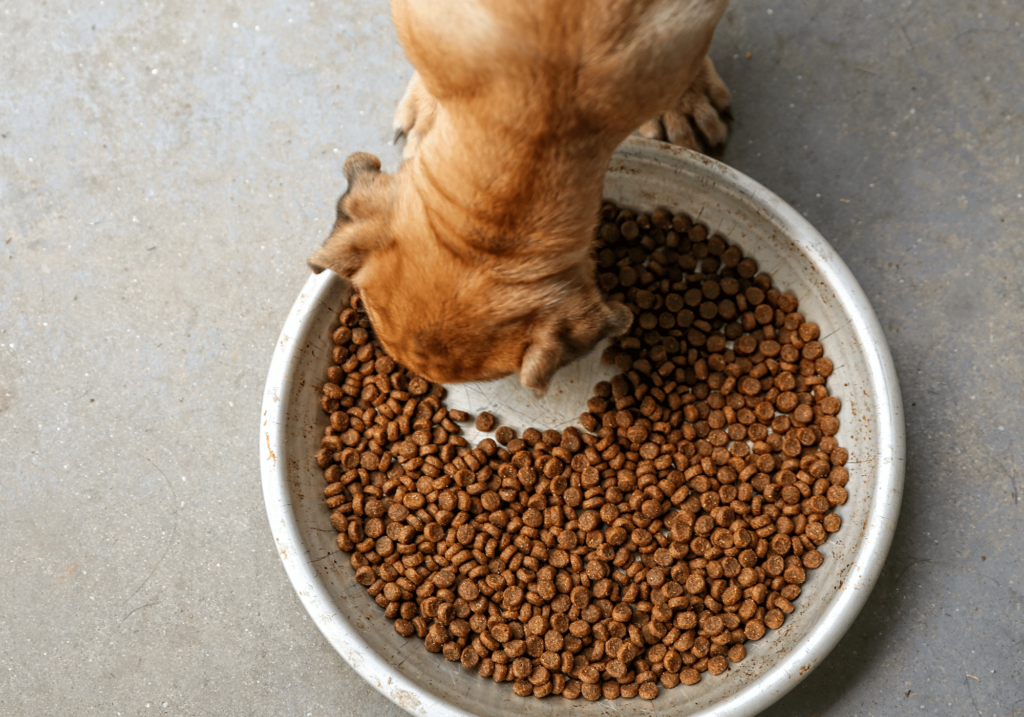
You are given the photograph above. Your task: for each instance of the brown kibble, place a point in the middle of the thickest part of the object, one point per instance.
(737, 653)
(629, 690)
(522, 668)
(470, 658)
(629, 230)
(648, 691)
(808, 332)
(572, 689)
(580, 597)
(627, 276)
(836, 495)
(717, 665)
(628, 652)
(812, 559)
(522, 688)
(695, 584)
(672, 661)
(689, 676)
(754, 630)
(795, 575)
(501, 632)
(815, 532)
(485, 422)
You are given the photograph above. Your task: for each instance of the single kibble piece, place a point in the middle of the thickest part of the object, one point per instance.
(485, 422)
(648, 691)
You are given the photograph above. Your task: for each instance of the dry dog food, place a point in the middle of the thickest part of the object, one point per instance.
(637, 553)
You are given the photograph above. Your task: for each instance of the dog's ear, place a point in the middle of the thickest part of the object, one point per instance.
(359, 227)
(340, 256)
(358, 164)
(559, 340)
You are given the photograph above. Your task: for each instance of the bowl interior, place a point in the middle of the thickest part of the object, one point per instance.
(643, 176)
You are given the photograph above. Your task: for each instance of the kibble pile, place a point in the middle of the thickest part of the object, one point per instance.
(641, 551)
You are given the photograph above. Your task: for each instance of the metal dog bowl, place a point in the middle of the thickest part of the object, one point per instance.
(643, 175)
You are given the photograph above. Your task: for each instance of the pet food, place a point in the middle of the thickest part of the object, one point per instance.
(635, 554)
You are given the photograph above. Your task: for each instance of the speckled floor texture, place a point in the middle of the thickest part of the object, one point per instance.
(165, 170)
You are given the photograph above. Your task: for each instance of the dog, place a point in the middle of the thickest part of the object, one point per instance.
(473, 260)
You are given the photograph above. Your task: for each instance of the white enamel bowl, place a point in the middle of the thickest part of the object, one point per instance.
(643, 175)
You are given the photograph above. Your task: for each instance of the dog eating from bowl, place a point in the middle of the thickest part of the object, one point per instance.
(474, 259)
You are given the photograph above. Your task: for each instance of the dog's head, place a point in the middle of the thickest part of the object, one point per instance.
(449, 315)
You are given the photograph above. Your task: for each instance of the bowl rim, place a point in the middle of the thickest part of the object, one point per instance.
(811, 650)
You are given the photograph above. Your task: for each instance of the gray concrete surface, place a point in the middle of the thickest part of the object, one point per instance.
(165, 168)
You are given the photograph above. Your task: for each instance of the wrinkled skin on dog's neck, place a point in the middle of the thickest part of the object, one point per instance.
(527, 197)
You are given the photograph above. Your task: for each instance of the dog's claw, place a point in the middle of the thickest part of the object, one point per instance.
(414, 116)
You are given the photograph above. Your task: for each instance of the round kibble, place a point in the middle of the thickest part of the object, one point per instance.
(648, 691)
(831, 522)
(795, 575)
(717, 665)
(754, 630)
(774, 619)
(689, 676)
(812, 559)
(522, 688)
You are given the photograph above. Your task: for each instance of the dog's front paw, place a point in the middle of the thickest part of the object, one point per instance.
(415, 114)
(698, 120)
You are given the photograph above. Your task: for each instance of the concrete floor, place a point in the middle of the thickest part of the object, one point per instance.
(165, 169)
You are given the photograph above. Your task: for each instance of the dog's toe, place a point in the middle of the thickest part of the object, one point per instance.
(709, 122)
(652, 129)
(679, 131)
(698, 119)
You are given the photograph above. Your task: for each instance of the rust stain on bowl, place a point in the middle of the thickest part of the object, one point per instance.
(271, 450)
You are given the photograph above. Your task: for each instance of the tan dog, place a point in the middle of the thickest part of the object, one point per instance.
(474, 259)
